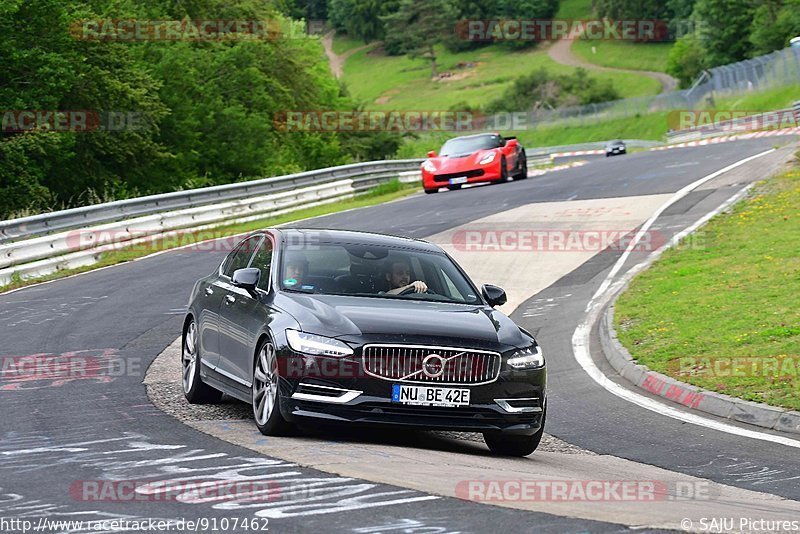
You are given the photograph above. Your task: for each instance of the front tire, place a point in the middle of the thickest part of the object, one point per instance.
(431, 191)
(503, 172)
(454, 187)
(194, 389)
(514, 445)
(265, 397)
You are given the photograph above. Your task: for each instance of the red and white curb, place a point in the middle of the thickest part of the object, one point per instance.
(576, 153)
(539, 172)
(739, 137)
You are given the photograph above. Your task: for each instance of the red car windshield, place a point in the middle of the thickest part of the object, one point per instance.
(468, 145)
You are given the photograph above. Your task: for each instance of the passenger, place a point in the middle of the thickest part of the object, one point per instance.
(399, 277)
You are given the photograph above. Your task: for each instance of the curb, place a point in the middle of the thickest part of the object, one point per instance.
(693, 397)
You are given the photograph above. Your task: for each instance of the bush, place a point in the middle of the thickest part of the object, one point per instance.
(543, 89)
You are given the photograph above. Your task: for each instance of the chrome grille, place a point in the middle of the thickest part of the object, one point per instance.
(404, 363)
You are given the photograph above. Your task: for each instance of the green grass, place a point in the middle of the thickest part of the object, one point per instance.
(733, 294)
(574, 9)
(624, 55)
(769, 100)
(342, 43)
(652, 126)
(399, 83)
(377, 195)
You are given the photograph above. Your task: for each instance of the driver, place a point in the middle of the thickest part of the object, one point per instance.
(296, 271)
(399, 277)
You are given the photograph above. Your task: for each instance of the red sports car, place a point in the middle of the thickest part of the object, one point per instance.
(473, 159)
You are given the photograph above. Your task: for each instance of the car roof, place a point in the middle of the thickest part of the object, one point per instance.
(324, 235)
(474, 135)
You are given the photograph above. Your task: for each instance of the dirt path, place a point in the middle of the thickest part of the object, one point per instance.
(335, 60)
(561, 52)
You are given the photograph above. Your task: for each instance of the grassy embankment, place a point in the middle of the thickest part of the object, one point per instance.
(723, 315)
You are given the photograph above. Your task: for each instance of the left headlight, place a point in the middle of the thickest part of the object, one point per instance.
(530, 358)
(316, 345)
(429, 167)
(488, 158)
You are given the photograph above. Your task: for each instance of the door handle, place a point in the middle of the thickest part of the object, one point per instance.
(209, 291)
(230, 299)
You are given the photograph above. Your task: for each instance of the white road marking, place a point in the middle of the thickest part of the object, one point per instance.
(580, 339)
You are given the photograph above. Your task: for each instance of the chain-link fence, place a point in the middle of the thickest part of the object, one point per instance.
(777, 69)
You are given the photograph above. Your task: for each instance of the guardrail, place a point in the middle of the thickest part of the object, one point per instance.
(41, 244)
(552, 152)
(747, 123)
(27, 227)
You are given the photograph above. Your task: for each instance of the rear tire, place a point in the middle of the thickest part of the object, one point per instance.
(514, 445)
(523, 170)
(265, 394)
(194, 389)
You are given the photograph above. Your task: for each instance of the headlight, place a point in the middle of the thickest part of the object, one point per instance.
(429, 167)
(316, 345)
(488, 158)
(527, 358)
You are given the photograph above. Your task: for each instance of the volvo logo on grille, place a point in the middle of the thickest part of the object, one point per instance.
(433, 366)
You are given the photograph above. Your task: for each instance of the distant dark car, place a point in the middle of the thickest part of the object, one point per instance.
(302, 325)
(615, 148)
(474, 159)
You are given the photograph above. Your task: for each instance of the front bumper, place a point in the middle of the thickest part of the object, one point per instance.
(479, 174)
(339, 391)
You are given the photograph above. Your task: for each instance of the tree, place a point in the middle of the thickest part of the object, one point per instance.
(774, 24)
(721, 29)
(420, 25)
(686, 59)
(361, 18)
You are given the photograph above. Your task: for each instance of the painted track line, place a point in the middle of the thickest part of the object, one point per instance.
(604, 294)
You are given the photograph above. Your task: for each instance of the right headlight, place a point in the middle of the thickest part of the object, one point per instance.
(429, 167)
(316, 345)
(529, 358)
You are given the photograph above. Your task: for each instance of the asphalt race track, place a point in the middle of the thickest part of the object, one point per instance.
(61, 435)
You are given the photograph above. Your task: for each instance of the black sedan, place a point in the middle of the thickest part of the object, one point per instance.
(360, 328)
(614, 148)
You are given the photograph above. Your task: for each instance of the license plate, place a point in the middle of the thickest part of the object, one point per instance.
(430, 396)
(459, 180)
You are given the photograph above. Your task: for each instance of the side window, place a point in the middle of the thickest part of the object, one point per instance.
(240, 257)
(263, 260)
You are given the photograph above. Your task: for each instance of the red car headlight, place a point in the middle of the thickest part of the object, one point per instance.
(428, 166)
(488, 158)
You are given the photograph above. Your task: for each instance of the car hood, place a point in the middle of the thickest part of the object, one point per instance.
(346, 316)
(450, 164)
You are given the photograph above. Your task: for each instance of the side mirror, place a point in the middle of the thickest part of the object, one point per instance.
(512, 143)
(494, 295)
(432, 154)
(247, 279)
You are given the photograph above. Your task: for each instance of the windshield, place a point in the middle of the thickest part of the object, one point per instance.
(374, 271)
(468, 145)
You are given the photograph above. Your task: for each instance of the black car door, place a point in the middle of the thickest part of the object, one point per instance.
(242, 318)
